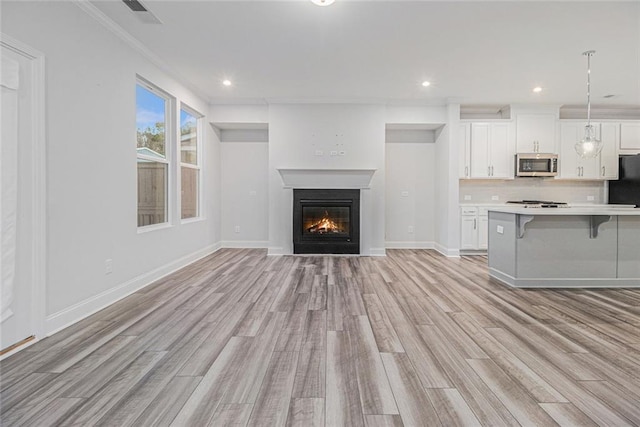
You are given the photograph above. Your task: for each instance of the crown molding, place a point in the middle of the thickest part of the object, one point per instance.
(137, 45)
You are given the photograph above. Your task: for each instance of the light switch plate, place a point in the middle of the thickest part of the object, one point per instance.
(495, 197)
(500, 229)
(405, 194)
(467, 197)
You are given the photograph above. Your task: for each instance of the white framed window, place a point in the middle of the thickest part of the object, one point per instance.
(153, 146)
(190, 149)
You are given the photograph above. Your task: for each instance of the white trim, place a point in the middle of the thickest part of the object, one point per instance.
(153, 227)
(276, 251)
(64, 318)
(377, 252)
(257, 244)
(192, 220)
(450, 253)
(39, 170)
(409, 245)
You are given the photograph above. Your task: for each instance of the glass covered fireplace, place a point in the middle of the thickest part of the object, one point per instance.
(326, 221)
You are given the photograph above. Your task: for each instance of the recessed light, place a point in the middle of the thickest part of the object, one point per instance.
(323, 2)
(226, 82)
(426, 83)
(537, 89)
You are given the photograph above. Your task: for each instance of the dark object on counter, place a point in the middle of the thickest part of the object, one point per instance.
(626, 190)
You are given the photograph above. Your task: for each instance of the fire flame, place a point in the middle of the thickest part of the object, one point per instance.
(325, 225)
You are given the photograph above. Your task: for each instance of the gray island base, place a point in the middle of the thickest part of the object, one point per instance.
(565, 247)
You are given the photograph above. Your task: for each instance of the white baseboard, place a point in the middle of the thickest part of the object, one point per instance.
(451, 253)
(257, 244)
(275, 251)
(409, 245)
(377, 252)
(67, 317)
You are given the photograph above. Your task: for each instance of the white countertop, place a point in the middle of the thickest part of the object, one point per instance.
(621, 210)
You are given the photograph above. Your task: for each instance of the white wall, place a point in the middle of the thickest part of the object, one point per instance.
(91, 163)
(410, 195)
(447, 212)
(296, 132)
(244, 170)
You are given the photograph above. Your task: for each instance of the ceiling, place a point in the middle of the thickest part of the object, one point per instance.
(474, 53)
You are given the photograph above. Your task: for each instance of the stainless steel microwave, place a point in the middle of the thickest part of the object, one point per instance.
(536, 164)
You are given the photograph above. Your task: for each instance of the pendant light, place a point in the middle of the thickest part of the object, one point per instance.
(589, 146)
(323, 2)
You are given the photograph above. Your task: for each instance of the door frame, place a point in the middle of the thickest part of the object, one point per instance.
(38, 176)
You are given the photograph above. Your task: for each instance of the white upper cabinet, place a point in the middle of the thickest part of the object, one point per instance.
(603, 167)
(536, 133)
(610, 135)
(490, 151)
(630, 137)
(464, 139)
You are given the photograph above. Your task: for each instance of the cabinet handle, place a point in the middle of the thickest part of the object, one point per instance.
(491, 170)
(488, 170)
(581, 170)
(603, 171)
(466, 171)
(474, 223)
(578, 171)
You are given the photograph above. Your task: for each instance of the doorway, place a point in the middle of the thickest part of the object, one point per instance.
(22, 196)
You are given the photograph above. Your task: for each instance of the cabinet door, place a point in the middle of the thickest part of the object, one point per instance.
(464, 141)
(630, 136)
(480, 137)
(499, 153)
(483, 232)
(535, 133)
(609, 132)
(469, 232)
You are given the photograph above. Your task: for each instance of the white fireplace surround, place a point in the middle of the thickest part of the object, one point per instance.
(326, 178)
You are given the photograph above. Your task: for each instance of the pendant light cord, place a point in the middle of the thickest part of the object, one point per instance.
(589, 53)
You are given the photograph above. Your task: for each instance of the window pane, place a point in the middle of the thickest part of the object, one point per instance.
(152, 192)
(189, 192)
(188, 138)
(150, 123)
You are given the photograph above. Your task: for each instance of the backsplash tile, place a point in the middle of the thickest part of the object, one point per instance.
(484, 191)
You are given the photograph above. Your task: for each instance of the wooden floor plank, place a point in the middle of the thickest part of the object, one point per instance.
(413, 403)
(306, 412)
(272, 404)
(343, 406)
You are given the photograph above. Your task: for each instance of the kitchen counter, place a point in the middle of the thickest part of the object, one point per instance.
(595, 246)
(578, 210)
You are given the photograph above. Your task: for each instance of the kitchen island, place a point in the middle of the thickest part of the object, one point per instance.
(581, 247)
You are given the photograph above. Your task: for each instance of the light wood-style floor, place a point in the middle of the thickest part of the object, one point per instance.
(240, 338)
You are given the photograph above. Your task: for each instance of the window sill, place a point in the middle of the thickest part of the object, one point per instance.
(192, 220)
(154, 227)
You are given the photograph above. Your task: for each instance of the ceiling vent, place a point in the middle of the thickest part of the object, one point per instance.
(141, 12)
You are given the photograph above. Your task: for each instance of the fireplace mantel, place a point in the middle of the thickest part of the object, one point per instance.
(326, 178)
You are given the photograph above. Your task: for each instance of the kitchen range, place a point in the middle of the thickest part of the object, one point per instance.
(538, 204)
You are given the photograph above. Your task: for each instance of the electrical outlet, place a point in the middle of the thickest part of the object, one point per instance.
(342, 153)
(236, 229)
(410, 229)
(467, 197)
(405, 194)
(319, 153)
(108, 266)
(495, 197)
(590, 198)
(333, 153)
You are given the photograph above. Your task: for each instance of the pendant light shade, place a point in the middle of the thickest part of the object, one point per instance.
(589, 146)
